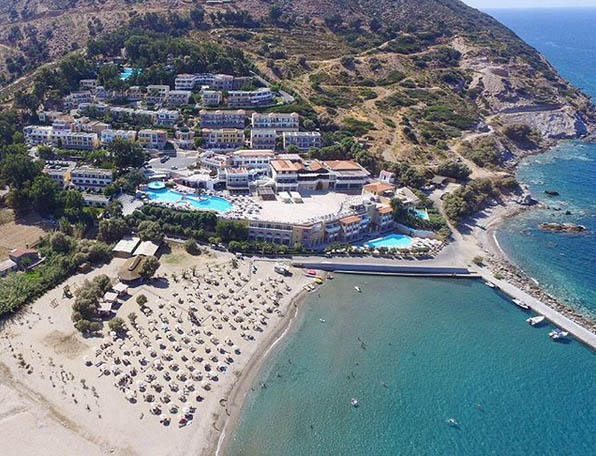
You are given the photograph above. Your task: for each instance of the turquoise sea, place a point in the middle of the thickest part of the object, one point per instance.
(563, 264)
(416, 352)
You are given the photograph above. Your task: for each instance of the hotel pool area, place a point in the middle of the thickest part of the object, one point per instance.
(391, 241)
(421, 213)
(156, 185)
(126, 73)
(206, 203)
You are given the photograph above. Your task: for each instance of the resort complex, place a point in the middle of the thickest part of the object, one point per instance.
(242, 227)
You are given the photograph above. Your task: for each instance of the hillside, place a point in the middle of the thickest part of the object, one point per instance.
(419, 80)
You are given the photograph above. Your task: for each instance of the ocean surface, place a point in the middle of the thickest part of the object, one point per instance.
(417, 352)
(414, 353)
(565, 265)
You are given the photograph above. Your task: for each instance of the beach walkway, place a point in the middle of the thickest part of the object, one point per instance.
(555, 317)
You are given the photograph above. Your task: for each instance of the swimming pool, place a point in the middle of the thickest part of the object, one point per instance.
(421, 213)
(206, 203)
(126, 73)
(391, 241)
(156, 185)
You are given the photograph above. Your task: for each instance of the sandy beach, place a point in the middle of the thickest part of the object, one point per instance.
(162, 389)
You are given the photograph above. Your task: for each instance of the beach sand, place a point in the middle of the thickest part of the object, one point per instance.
(53, 402)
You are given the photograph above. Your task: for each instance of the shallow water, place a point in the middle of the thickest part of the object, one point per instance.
(444, 349)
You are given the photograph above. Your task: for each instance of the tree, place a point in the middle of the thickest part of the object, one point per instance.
(117, 325)
(141, 300)
(111, 230)
(59, 242)
(44, 194)
(231, 230)
(132, 317)
(190, 245)
(17, 170)
(126, 154)
(73, 205)
(149, 267)
(150, 231)
(452, 168)
(197, 15)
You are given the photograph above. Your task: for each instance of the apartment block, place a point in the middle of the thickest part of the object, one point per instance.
(108, 136)
(153, 139)
(263, 139)
(89, 178)
(275, 121)
(304, 140)
(222, 119)
(177, 97)
(223, 138)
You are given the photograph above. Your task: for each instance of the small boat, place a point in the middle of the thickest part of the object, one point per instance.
(490, 284)
(535, 321)
(322, 320)
(354, 402)
(358, 289)
(558, 334)
(521, 304)
(330, 276)
(452, 422)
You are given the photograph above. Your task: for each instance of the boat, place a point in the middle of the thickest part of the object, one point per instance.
(490, 284)
(558, 334)
(330, 276)
(452, 422)
(535, 321)
(321, 320)
(358, 289)
(354, 402)
(521, 304)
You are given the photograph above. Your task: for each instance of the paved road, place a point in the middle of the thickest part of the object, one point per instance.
(287, 98)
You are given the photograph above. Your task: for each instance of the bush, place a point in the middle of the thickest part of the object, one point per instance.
(117, 325)
(190, 245)
(452, 168)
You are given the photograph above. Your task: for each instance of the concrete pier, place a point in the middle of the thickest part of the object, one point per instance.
(555, 317)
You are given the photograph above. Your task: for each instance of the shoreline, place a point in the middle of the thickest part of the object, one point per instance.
(512, 273)
(219, 438)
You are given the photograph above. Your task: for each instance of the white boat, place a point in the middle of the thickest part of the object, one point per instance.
(321, 320)
(558, 334)
(452, 422)
(535, 321)
(358, 289)
(490, 284)
(521, 304)
(354, 402)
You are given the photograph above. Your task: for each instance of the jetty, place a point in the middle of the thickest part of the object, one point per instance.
(383, 268)
(552, 315)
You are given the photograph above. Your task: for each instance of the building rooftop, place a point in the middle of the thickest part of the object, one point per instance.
(127, 245)
(147, 248)
(349, 220)
(379, 187)
(343, 165)
(286, 166)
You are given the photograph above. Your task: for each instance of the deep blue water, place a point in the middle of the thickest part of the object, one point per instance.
(563, 264)
(450, 348)
(445, 349)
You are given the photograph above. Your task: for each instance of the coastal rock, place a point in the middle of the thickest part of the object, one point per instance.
(525, 200)
(562, 227)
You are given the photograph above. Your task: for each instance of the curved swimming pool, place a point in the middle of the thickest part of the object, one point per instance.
(206, 203)
(391, 241)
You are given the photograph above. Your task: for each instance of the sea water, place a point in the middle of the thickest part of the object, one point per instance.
(563, 264)
(415, 353)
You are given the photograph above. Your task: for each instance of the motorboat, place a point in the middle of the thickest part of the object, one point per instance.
(322, 320)
(358, 289)
(354, 402)
(558, 334)
(521, 304)
(452, 422)
(490, 284)
(535, 321)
